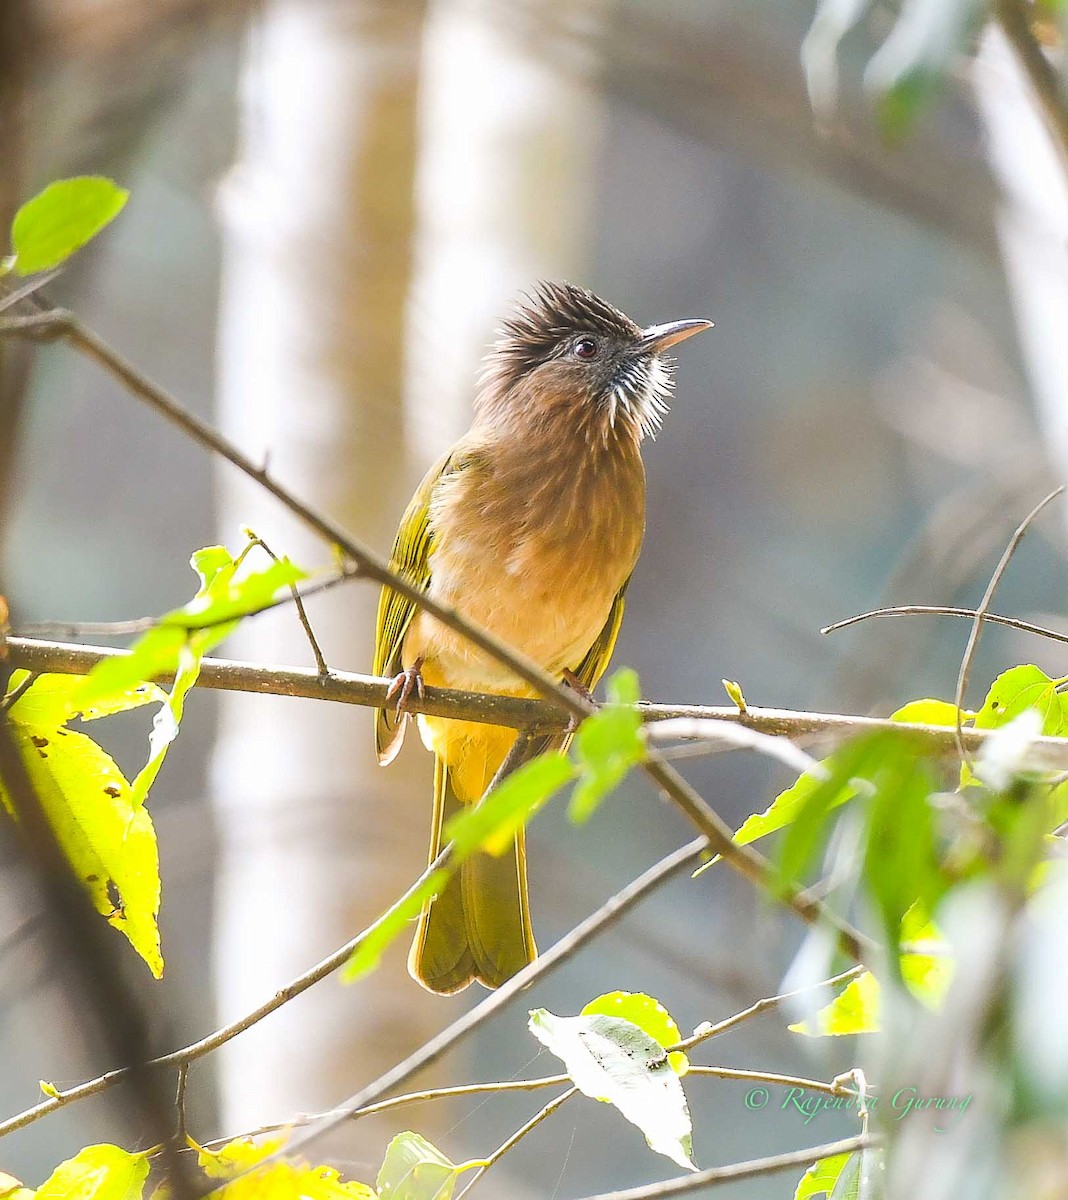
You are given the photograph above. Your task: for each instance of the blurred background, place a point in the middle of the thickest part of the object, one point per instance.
(333, 203)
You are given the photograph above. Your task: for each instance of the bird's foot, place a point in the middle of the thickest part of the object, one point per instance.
(576, 685)
(408, 681)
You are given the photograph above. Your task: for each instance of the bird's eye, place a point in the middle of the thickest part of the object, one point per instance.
(586, 348)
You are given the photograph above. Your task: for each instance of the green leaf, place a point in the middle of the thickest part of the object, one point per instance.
(607, 745)
(415, 1169)
(393, 922)
(913, 62)
(109, 842)
(820, 1178)
(492, 824)
(648, 1014)
(208, 619)
(100, 1172)
(48, 229)
(613, 1060)
(1017, 690)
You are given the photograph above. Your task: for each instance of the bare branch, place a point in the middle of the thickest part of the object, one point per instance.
(182, 1058)
(743, 1170)
(569, 945)
(941, 610)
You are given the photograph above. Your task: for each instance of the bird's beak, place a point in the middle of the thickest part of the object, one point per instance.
(660, 337)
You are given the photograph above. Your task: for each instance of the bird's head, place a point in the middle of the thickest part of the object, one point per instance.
(566, 353)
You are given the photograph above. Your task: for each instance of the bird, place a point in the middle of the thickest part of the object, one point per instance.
(530, 526)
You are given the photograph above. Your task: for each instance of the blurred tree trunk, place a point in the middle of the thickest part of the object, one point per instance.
(316, 839)
(1032, 230)
(18, 45)
(510, 142)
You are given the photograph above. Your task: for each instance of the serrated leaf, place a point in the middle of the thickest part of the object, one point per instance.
(278, 1180)
(648, 1014)
(101, 1172)
(821, 1177)
(109, 841)
(415, 1169)
(607, 745)
(613, 1060)
(59, 220)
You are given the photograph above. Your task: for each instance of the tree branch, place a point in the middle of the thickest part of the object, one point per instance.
(344, 687)
(182, 1058)
(569, 945)
(742, 1170)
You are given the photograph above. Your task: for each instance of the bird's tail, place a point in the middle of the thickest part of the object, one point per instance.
(478, 926)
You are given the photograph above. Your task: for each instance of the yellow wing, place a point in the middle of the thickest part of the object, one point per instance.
(594, 664)
(410, 558)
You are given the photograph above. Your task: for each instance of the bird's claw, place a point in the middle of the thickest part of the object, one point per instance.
(576, 685)
(408, 681)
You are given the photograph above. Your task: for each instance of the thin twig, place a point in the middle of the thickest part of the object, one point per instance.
(518, 1136)
(945, 610)
(13, 697)
(219, 1037)
(566, 948)
(743, 1170)
(144, 624)
(834, 1088)
(767, 1004)
(302, 615)
(984, 604)
(60, 323)
(179, 1104)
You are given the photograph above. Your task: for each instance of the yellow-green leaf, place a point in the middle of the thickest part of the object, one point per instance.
(109, 842)
(12, 1189)
(59, 220)
(278, 1180)
(101, 1172)
(855, 1010)
(607, 745)
(648, 1014)
(49, 701)
(821, 1177)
